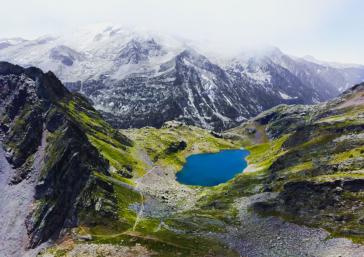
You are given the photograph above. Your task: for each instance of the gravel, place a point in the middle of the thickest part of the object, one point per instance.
(271, 236)
(108, 250)
(256, 236)
(163, 194)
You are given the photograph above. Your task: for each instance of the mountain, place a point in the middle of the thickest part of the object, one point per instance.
(71, 185)
(138, 78)
(49, 165)
(311, 158)
(68, 177)
(342, 76)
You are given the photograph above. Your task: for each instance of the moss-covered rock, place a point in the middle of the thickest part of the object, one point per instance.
(318, 168)
(68, 193)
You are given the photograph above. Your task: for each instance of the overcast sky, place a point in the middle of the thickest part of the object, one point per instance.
(330, 30)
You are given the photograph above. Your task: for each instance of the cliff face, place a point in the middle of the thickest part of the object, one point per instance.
(44, 143)
(318, 167)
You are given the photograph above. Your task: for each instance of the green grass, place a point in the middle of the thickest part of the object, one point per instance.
(125, 197)
(114, 146)
(117, 157)
(263, 155)
(353, 153)
(339, 175)
(214, 209)
(156, 141)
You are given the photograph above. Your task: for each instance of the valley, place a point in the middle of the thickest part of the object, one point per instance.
(141, 128)
(99, 191)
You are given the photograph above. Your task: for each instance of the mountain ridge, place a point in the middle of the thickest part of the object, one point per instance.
(50, 149)
(123, 72)
(85, 189)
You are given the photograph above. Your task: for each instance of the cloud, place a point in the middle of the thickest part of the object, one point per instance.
(294, 25)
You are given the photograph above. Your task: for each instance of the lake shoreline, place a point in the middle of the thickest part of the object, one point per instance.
(212, 169)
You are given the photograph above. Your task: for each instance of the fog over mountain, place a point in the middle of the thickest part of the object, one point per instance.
(327, 29)
(139, 78)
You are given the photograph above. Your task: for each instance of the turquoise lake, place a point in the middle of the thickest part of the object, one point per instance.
(211, 169)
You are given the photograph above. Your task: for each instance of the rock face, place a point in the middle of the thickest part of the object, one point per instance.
(318, 170)
(15, 200)
(139, 79)
(33, 113)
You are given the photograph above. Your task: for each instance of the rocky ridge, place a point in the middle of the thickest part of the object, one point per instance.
(63, 166)
(143, 79)
(318, 168)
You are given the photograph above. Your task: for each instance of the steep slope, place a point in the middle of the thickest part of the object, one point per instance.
(137, 78)
(188, 88)
(330, 154)
(342, 76)
(317, 169)
(51, 156)
(67, 177)
(289, 79)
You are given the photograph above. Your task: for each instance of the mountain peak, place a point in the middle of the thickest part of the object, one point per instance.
(108, 63)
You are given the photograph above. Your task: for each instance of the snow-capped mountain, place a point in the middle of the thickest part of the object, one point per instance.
(139, 78)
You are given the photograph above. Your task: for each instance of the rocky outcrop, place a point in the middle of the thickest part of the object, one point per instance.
(65, 182)
(176, 147)
(315, 164)
(332, 205)
(33, 104)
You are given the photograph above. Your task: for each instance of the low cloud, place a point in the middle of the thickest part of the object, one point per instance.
(297, 26)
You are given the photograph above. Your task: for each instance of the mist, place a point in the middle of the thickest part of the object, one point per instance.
(327, 29)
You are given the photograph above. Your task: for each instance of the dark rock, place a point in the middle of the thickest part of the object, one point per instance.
(4, 128)
(126, 172)
(354, 185)
(67, 177)
(176, 147)
(216, 134)
(67, 188)
(54, 120)
(26, 135)
(251, 131)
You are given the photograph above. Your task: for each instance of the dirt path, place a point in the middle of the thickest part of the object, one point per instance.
(138, 182)
(145, 157)
(140, 213)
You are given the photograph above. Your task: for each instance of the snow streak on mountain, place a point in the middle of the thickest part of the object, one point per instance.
(141, 79)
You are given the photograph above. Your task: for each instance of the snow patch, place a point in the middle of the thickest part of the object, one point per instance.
(285, 96)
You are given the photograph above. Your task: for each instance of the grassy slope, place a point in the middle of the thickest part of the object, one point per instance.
(120, 151)
(156, 141)
(214, 209)
(331, 151)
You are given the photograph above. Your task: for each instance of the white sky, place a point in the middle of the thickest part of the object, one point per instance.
(327, 29)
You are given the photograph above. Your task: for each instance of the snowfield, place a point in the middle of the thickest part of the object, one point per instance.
(140, 78)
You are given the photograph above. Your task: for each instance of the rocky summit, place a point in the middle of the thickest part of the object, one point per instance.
(137, 78)
(73, 185)
(50, 156)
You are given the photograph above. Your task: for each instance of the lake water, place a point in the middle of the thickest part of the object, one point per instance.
(211, 169)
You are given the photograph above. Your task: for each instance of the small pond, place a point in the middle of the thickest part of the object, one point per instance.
(211, 169)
